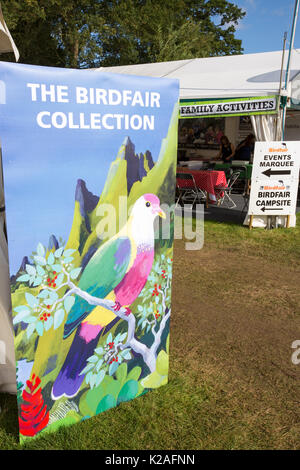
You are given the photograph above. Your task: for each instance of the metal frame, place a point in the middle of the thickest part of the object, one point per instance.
(226, 190)
(188, 193)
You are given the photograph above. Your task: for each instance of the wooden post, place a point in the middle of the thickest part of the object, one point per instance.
(288, 220)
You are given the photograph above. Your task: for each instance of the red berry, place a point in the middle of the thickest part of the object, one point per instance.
(48, 306)
(54, 272)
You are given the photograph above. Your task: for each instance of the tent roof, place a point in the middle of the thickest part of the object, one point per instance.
(6, 41)
(226, 76)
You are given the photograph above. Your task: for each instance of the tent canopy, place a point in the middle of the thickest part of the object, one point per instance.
(6, 41)
(219, 77)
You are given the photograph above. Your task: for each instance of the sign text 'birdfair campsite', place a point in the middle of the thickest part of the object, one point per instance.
(274, 182)
(91, 311)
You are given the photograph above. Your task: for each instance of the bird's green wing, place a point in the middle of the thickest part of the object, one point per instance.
(103, 273)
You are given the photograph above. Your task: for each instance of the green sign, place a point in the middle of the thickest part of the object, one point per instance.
(227, 107)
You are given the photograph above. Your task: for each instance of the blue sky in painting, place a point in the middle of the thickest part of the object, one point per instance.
(41, 166)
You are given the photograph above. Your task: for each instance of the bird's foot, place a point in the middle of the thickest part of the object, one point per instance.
(117, 306)
(128, 311)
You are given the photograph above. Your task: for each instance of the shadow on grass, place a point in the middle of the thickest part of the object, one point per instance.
(9, 416)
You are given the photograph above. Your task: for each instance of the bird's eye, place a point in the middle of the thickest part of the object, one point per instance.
(148, 204)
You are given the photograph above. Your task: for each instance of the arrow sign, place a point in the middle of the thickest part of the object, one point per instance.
(270, 172)
(271, 209)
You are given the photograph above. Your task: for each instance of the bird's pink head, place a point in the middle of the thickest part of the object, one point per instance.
(153, 203)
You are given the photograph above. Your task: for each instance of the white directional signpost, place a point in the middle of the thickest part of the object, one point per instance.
(274, 182)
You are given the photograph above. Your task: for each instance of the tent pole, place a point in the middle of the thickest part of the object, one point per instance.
(287, 75)
(278, 127)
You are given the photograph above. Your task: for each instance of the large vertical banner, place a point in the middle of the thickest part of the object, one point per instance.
(89, 169)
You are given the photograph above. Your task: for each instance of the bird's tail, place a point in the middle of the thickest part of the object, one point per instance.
(69, 380)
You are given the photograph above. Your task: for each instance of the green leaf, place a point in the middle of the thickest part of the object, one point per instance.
(121, 373)
(99, 364)
(40, 270)
(30, 329)
(99, 351)
(75, 273)
(58, 318)
(38, 280)
(40, 260)
(88, 376)
(113, 367)
(87, 369)
(93, 379)
(56, 267)
(68, 252)
(31, 300)
(122, 337)
(53, 296)
(109, 338)
(126, 354)
(154, 380)
(58, 252)
(23, 278)
(135, 373)
(128, 391)
(60, 279)
(21, 315)
(31, 319)
(92, 359)
(48, 323)
(69, 302)
(40, 328)
(44, 294)
(50, 259)
(106, 403)
(100, 377)
(40, 250)
(30, 270)
(162, 363)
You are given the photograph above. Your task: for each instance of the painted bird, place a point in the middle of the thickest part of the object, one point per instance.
(118, 271)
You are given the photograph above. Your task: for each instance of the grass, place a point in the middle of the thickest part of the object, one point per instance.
(232, 384)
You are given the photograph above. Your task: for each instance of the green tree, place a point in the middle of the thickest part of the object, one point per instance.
(91, 33)
(150, 30)
(56, 33)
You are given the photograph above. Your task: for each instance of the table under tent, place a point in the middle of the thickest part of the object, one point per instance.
(230, 95)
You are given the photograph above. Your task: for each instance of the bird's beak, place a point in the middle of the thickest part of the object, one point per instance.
(161, 213)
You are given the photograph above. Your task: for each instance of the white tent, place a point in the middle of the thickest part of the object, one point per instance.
(6, 41)
(235, 76)
(219, 77)
(7, 355)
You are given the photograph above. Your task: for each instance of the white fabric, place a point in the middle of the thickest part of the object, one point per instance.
(7, 353)
(6, 41)
(264, 127)
(219, 77)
